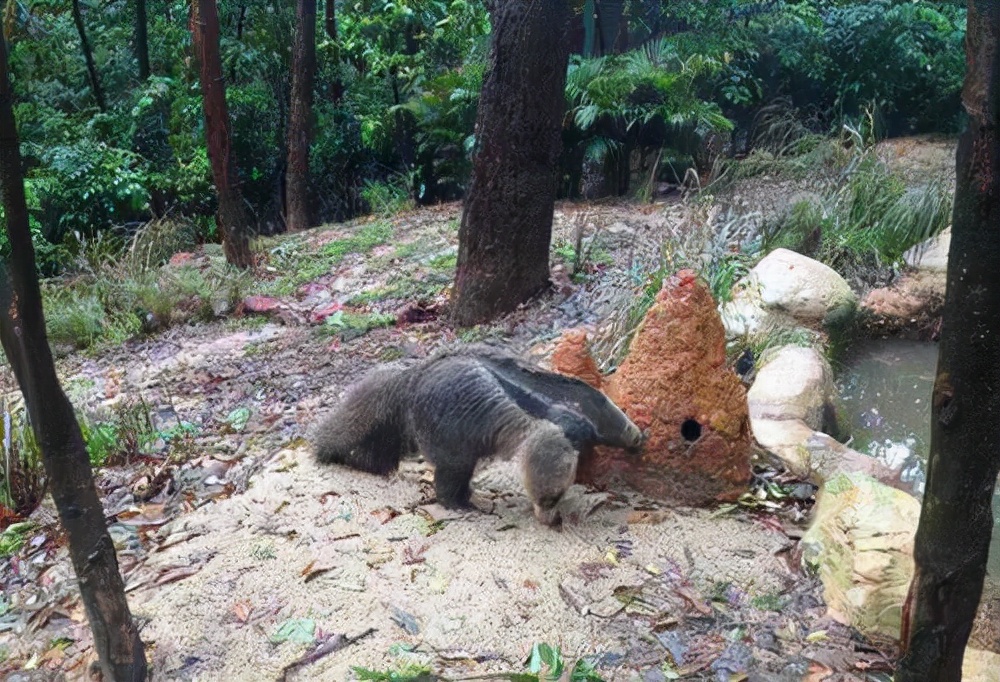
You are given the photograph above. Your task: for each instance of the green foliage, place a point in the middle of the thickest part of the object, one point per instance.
(443, 110)
(769, 601)
(396, 97)
(653, 82)
(349, 325)
(298, 264)
(113, 300)
(836, 57)
(444, 261)
(386, 198)
(73, 317)
(646, 98)
(546, 663)
(86, 184)
(12, 539)
(368, 237)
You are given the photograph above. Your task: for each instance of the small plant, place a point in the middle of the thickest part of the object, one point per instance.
(770, 601)
(349, 325)
(21, 469)
(101, 440)
(121, 438)
(445, 261)
(545, 664)
(12, 539)
(409, 672)
(158, 240)
(74, 317)
(387, 198)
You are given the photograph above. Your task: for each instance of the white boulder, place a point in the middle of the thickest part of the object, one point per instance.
(931, 255)
(784, 289)
(792, 382)
(861, 546)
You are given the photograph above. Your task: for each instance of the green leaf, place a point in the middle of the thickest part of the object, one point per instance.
(238, 418)
(296, 630)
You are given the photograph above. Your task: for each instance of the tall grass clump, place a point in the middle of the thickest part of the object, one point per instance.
(870, 219)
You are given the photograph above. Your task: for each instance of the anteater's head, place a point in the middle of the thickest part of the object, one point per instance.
(634, 439)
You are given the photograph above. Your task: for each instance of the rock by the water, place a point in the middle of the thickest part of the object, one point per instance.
(931, 255)
(675, 385)
(793, 382)
(912, 303)
(861, 546)
(787, 289)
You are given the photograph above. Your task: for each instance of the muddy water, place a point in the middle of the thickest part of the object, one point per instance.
(885, 411)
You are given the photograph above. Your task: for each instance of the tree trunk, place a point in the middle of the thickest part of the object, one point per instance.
(141, 40)
(330, 20)
(503, 242)
(956, 520)
(330, 24)
(88, 56)
(22, 334)
(231, 217)
(299, 119)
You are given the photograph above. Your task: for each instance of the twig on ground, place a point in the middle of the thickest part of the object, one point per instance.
(325, 648)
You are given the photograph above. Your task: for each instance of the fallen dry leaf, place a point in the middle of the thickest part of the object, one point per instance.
(173, 574)
(651, 517)
(242, 609)
(312, 571)
(385, 514)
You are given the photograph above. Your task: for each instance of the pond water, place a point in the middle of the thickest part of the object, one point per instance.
(885, 390)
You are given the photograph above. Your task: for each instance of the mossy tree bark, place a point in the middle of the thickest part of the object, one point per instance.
(503, 241)
(300, 118)
(956, 520)
(67, 466)
(231, 216)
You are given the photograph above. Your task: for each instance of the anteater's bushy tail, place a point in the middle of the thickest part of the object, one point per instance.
(368, 429)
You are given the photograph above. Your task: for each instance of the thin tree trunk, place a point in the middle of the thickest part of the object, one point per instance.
(239, 22)
(300, 117)
(956, 521)
(22, 334)
(88, 56)
(231, 217)
(503, 251)
(330, 20)
(141, 39)
(330, 24)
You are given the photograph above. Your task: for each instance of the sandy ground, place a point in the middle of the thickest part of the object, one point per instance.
(473, 592)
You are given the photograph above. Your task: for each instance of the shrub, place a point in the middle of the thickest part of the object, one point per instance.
(22, 476)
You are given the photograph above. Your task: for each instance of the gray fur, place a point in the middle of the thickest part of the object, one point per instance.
(464, 405)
